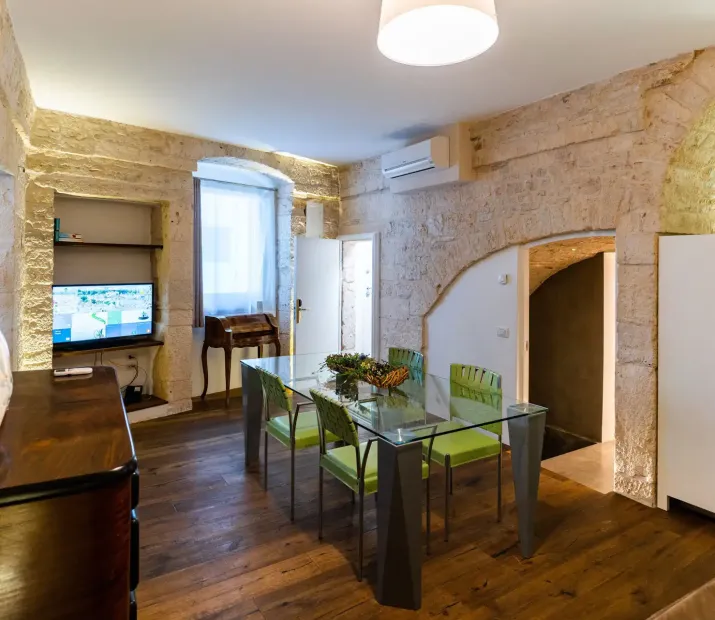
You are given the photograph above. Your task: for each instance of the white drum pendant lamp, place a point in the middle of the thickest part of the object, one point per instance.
(432, 33)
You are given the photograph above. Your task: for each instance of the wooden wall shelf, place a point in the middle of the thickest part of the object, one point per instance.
(123, 346)
(91, 244)
(145, 403)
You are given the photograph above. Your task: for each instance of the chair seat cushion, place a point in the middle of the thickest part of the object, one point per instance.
(462, 446)
(341, 463)
(306, 432)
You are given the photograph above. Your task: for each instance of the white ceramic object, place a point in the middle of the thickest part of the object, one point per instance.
(5, 377)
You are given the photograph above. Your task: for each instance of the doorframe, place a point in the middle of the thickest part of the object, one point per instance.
(375, 238)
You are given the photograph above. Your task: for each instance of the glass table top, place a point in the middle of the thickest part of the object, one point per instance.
(420, 407)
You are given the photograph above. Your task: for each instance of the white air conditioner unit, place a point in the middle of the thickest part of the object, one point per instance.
(441, 160)
(427, 155)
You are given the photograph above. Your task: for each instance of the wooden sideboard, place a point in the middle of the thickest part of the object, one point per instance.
(69, 536)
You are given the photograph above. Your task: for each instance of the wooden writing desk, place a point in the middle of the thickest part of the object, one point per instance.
(233, 332)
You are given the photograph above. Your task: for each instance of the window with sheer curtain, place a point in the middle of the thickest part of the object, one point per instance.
(238, 249)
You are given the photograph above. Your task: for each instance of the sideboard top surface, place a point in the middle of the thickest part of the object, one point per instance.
(63, 433)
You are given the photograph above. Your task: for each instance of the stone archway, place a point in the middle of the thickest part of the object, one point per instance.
(547, 259)
(571, 366)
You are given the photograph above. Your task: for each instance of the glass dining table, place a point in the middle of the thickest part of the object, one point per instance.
(402, 418)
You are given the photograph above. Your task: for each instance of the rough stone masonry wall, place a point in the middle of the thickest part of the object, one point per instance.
(95, 158)
(16, 112)
(597, 158)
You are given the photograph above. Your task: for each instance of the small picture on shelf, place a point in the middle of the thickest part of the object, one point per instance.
(69, 237)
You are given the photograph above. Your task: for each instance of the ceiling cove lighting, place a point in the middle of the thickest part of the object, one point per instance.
(430, 33)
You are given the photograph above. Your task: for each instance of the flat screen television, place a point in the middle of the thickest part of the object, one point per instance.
(94, 315)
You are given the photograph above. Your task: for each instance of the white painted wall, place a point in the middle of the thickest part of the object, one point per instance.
(9, 245)
(120, 361)
(608, 423)
(216, 363)
(686, 345)
(463, 327)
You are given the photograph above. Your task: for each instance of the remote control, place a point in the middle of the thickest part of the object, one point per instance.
(72, 372)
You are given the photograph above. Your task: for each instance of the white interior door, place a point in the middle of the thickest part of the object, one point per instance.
(686, 341)
(363, 297)
(317, 295)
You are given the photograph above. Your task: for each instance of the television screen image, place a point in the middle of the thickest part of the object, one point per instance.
(101, 311)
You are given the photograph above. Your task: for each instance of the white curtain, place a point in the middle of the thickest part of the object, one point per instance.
(238, 238)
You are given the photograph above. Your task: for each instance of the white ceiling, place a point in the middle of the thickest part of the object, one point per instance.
(305, 76)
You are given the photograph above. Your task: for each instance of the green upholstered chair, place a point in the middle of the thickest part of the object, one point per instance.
(296, 431)
(469, 445)
(354, 464)
(414, 360)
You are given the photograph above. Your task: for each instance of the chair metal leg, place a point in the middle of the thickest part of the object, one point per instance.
(360, 529)
(499, 474)
(447, 476)
(265, 460)
(292, 481)
(451, 481)
(320, 503)
(427, 507)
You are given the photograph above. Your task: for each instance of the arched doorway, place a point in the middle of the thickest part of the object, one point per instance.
(571, 343)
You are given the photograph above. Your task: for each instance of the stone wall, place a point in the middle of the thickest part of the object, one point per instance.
(16, 113)
(597, 158)
(101, 159)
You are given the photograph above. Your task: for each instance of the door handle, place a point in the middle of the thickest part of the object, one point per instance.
(299, 309)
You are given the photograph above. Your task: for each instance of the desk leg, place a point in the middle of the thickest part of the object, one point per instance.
(526, 435)
(227, 356)
(399, 525)
(205, 368)
(252, 413)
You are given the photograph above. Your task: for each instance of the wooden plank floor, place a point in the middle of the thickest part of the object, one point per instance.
(215, 546)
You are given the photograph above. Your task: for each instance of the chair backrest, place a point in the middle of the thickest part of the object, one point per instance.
(478, 384)
(335, 418)
(274, 391)
(475, 378)
(414, 360)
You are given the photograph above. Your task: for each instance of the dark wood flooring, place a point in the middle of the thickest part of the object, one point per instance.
(215, 546)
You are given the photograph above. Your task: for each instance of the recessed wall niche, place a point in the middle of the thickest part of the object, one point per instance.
(117, 241)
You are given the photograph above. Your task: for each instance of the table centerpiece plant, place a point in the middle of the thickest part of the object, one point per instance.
(360, 367)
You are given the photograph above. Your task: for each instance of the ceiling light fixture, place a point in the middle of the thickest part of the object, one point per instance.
(431, 33)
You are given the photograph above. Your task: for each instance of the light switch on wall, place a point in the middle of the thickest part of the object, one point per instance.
(503, 332)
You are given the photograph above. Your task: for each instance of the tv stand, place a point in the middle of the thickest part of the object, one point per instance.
(123, 345)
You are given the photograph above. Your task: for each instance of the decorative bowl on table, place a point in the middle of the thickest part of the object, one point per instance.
(383, 375)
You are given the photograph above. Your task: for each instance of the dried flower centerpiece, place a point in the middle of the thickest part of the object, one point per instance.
(384, 375)
(360, 367)
(347, 363)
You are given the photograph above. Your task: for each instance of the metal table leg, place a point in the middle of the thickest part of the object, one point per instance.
(526, 435)
(399, 525)
(252, 413)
